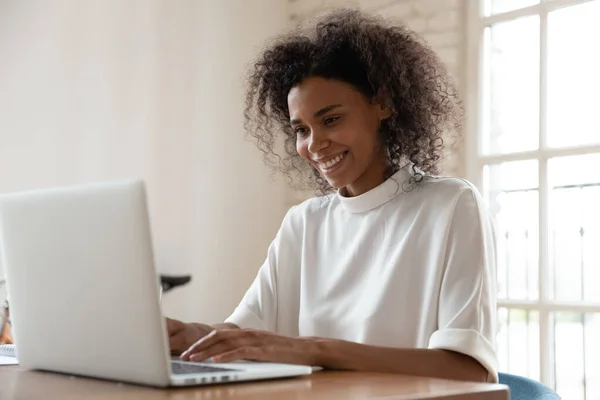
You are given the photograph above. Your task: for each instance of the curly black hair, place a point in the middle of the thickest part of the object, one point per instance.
(377, 57)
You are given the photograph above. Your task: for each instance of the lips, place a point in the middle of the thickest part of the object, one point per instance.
(331, 162)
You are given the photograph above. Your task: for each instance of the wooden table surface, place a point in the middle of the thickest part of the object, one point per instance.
(16, 383)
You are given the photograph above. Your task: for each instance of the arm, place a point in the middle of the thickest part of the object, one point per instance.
(338, 354)
(466, 310)
(247, 344)
(259, 308)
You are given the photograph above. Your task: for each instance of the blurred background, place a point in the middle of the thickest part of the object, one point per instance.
(94, 90)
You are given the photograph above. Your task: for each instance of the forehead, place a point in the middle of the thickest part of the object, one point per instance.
(315, 93)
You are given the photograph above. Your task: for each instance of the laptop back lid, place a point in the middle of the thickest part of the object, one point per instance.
(81, 282)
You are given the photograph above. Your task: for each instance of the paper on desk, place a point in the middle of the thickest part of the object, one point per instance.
(8, 361)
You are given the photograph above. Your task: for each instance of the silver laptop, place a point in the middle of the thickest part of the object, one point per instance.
(84, 292)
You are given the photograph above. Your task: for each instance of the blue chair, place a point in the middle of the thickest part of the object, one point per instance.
(522, 388)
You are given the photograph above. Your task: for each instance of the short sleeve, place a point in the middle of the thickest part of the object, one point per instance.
(467, 302)
(259, 306)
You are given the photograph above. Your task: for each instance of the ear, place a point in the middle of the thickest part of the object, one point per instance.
(379, 102)
(384, 112)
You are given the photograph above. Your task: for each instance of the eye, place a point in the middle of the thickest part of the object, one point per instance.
(330, 120)
(300, 131)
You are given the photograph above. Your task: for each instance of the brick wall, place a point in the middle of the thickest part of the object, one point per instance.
(440, 22)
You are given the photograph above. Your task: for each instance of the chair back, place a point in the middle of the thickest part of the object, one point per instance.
(522, 388)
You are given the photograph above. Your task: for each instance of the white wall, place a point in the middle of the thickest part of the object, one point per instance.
(440, 22)
(94, 90)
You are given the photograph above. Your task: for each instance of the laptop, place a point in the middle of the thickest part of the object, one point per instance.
(84, 292)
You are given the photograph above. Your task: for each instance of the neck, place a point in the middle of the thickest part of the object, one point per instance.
(374, 176)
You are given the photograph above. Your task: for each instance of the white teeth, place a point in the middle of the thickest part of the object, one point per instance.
(332, 162)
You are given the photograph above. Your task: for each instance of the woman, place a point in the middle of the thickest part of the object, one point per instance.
(395, 270)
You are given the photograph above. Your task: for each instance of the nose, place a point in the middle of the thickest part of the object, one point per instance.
(317, 142)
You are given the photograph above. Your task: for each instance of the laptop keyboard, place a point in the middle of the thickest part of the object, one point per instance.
(180, 368)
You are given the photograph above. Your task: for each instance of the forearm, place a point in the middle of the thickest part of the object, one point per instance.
(338, 354)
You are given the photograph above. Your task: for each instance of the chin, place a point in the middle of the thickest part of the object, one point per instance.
(343, 177)
(338, 183)
(336, 186)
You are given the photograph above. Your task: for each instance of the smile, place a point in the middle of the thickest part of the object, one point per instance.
(331, 163)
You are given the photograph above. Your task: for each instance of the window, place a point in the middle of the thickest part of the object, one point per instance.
(534, 151)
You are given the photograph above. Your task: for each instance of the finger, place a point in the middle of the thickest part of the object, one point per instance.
(219, 348)
(242, 353)
(211, 340)
(234, 338)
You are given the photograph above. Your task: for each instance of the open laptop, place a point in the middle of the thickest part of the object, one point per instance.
(84, 292)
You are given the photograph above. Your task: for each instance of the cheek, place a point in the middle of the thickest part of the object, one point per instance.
(302, 148)
(370, 137)
(362, 132)
(363, 140)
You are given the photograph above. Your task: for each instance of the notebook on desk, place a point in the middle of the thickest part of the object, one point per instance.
(8, 355)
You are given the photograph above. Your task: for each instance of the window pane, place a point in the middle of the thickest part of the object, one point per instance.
(511, 190)
(577, 366)
(592, 360)
(500, 6)
(573, 79)
(519, 342)
(511, 108)
(574, 227)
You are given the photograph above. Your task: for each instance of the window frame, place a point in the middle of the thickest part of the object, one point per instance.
(476, 159)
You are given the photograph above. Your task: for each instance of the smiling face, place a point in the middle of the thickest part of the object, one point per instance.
(337, 132)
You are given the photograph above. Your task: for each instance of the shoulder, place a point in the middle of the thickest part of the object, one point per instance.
(448, 186)
(463, 201)
(439, 200)
(313, 209)
(445, 191)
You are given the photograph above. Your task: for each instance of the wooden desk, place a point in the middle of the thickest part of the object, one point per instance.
(15, 383)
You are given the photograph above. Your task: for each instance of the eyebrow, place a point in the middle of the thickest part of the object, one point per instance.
(318, 113)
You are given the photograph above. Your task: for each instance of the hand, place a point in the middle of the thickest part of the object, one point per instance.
(182, 335)
(245, 344)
